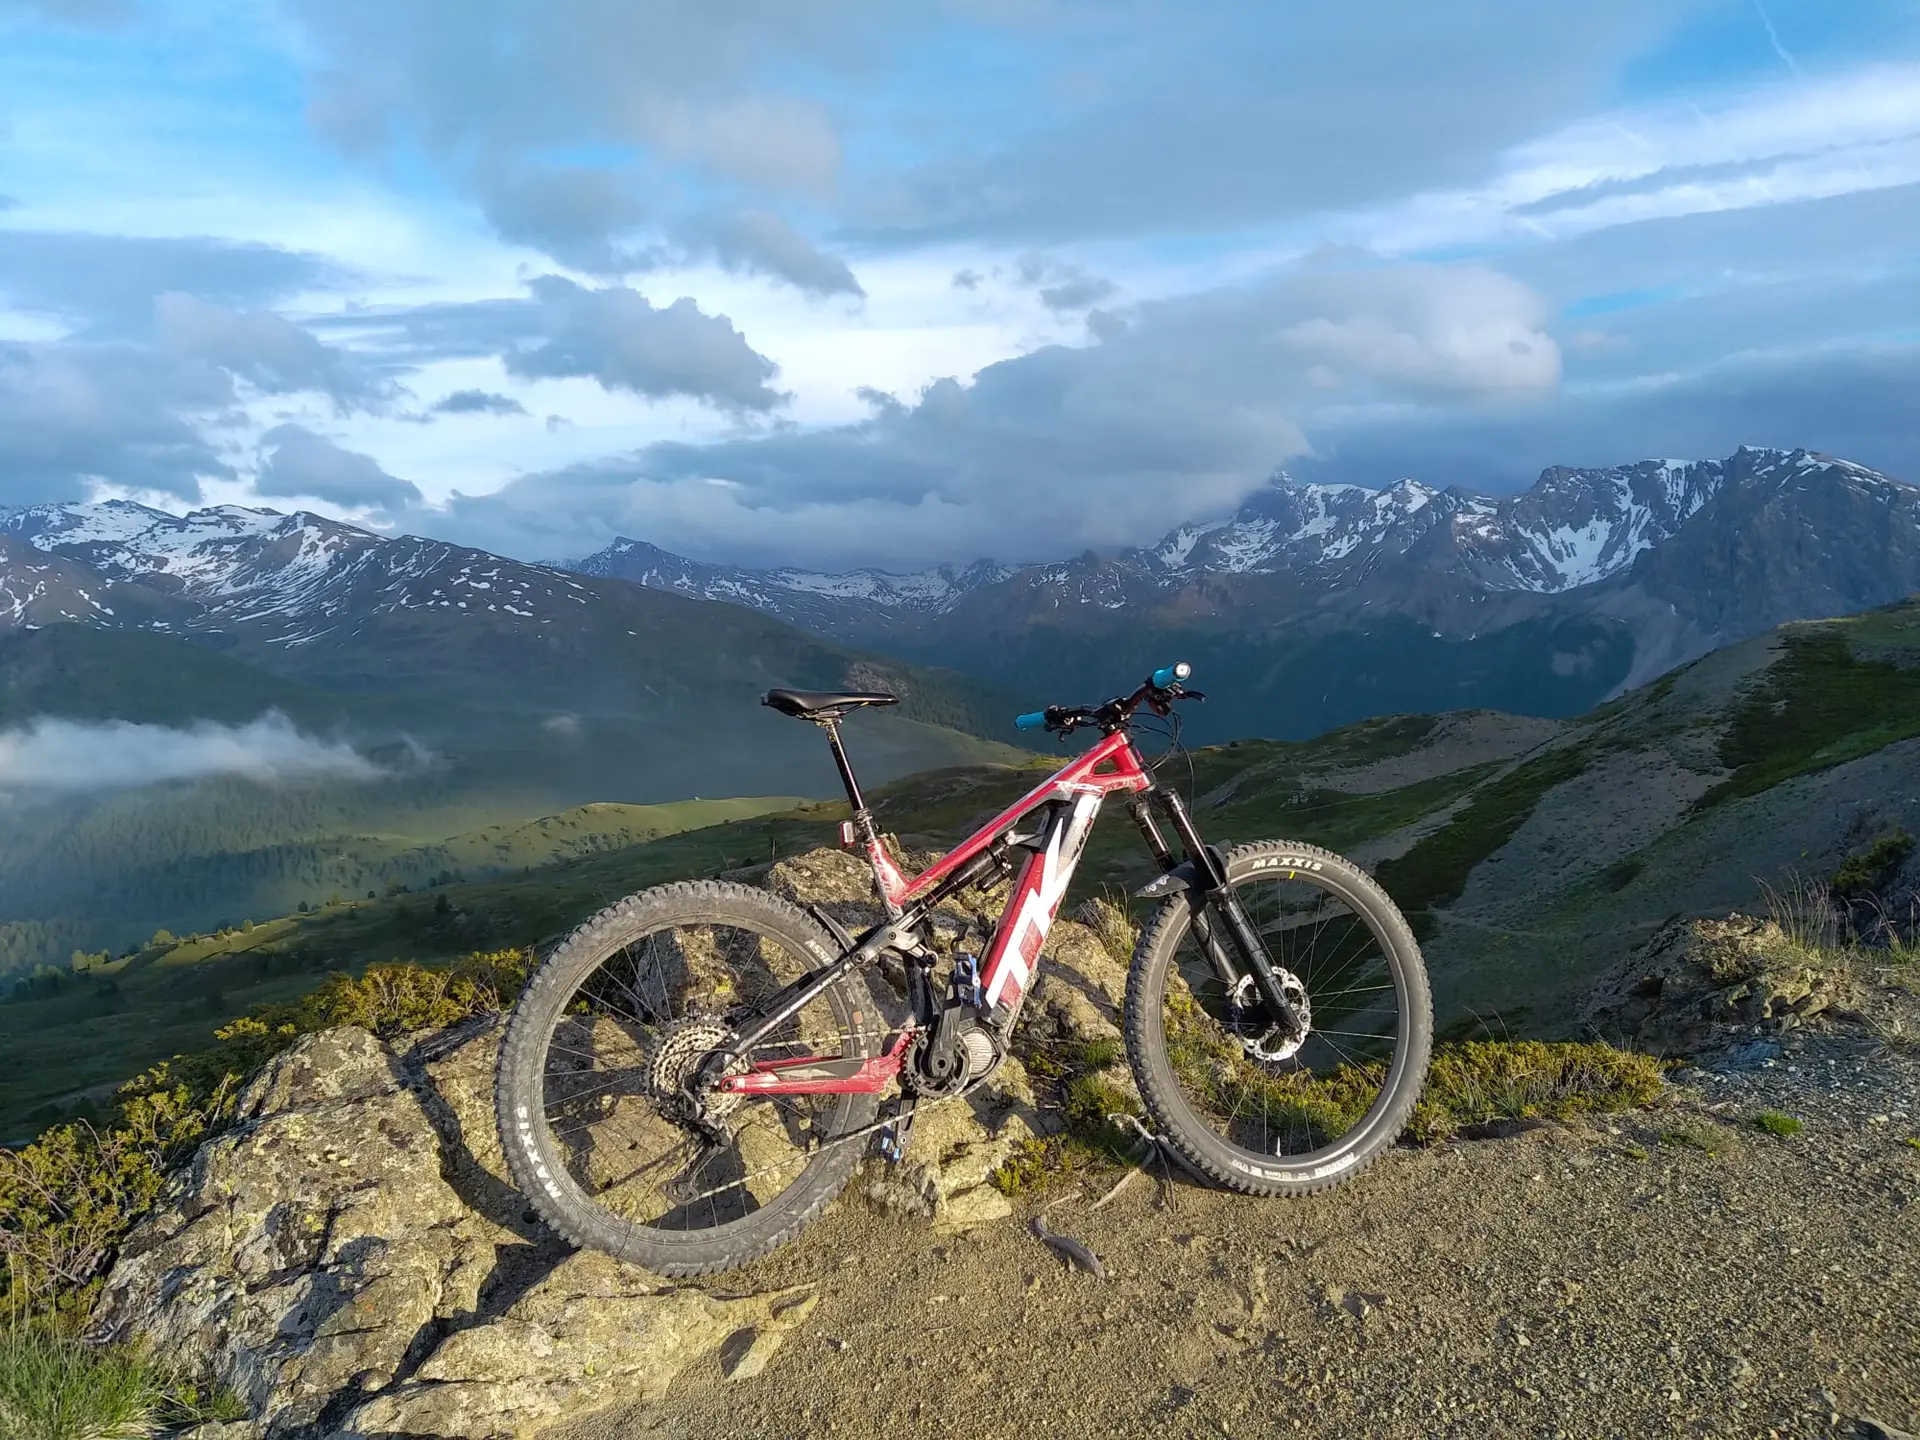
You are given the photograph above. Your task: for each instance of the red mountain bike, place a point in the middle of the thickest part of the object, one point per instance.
(687, 1080)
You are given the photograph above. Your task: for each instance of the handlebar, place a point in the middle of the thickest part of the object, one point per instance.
(1157, 693)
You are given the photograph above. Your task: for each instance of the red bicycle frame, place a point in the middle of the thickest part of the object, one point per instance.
(1074, 794)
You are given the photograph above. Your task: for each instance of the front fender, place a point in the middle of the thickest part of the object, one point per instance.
(1184, 876)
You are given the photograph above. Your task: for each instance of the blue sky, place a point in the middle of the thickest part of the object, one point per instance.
(833, 282)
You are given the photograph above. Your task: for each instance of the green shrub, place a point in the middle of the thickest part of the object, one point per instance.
(67, 1200)
(1036, 1163)
(1469, 1083)
(1863, 873)
(1481, 1081)
(1774, 1123)
(393, 999)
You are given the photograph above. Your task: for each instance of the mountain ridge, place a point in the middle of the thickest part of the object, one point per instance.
(1574, 526)
(1330, 602)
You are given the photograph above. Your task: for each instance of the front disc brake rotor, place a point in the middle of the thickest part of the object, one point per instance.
(1265, 1042)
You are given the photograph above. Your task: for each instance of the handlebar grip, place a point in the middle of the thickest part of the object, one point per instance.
(1032, 720)
(1166, 675)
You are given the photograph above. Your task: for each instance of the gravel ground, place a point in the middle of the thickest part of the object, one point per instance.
(1602, 1279)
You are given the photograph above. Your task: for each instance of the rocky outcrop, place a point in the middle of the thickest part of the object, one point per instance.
(351, 1259)
(1703, 985)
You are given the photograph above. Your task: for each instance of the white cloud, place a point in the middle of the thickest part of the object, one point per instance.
(66, 756)
(1766, 145)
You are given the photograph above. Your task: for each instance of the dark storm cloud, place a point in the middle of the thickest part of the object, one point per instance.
(476, 402)
(108, 283)
(1157, 118)
(1187, 119)
(71, 412)
(611, 334)
(267, 350)
(296, 462)
(572, 212)
(617, 337)
(669, 93)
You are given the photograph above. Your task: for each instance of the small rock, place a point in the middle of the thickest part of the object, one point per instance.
(981, 1205)
(1870, 1429)
(746, 1354)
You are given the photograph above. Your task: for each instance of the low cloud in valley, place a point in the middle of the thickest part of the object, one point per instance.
(56, 756)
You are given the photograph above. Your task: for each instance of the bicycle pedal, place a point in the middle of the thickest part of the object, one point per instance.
(893, 1139)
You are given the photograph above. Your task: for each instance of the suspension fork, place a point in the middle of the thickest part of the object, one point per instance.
(1217, 896)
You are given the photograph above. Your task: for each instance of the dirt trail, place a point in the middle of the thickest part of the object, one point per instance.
(1583, 1281)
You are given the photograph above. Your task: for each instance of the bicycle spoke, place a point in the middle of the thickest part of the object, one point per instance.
(1322, 1088)
(645, 1018)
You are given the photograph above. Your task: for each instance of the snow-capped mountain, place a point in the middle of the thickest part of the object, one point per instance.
(1574, 528)
(1571, 528)
(288, 578)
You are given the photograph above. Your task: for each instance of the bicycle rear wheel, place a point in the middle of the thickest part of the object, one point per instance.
(1249, 1110)
(611, 1027)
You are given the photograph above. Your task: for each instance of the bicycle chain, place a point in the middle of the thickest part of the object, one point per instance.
(808, 1157)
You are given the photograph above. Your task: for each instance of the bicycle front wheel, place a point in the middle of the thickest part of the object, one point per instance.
(613, 1026)
(1255, 1111)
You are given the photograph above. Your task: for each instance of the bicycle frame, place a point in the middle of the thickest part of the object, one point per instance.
(1073, 795)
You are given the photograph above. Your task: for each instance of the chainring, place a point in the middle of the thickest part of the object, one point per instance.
(977, 1051)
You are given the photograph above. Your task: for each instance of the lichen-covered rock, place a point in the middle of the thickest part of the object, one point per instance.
(314, 1249)
(350, 1260)
(586, 1336)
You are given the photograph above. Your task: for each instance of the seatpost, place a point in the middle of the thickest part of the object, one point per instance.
(862, 817)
